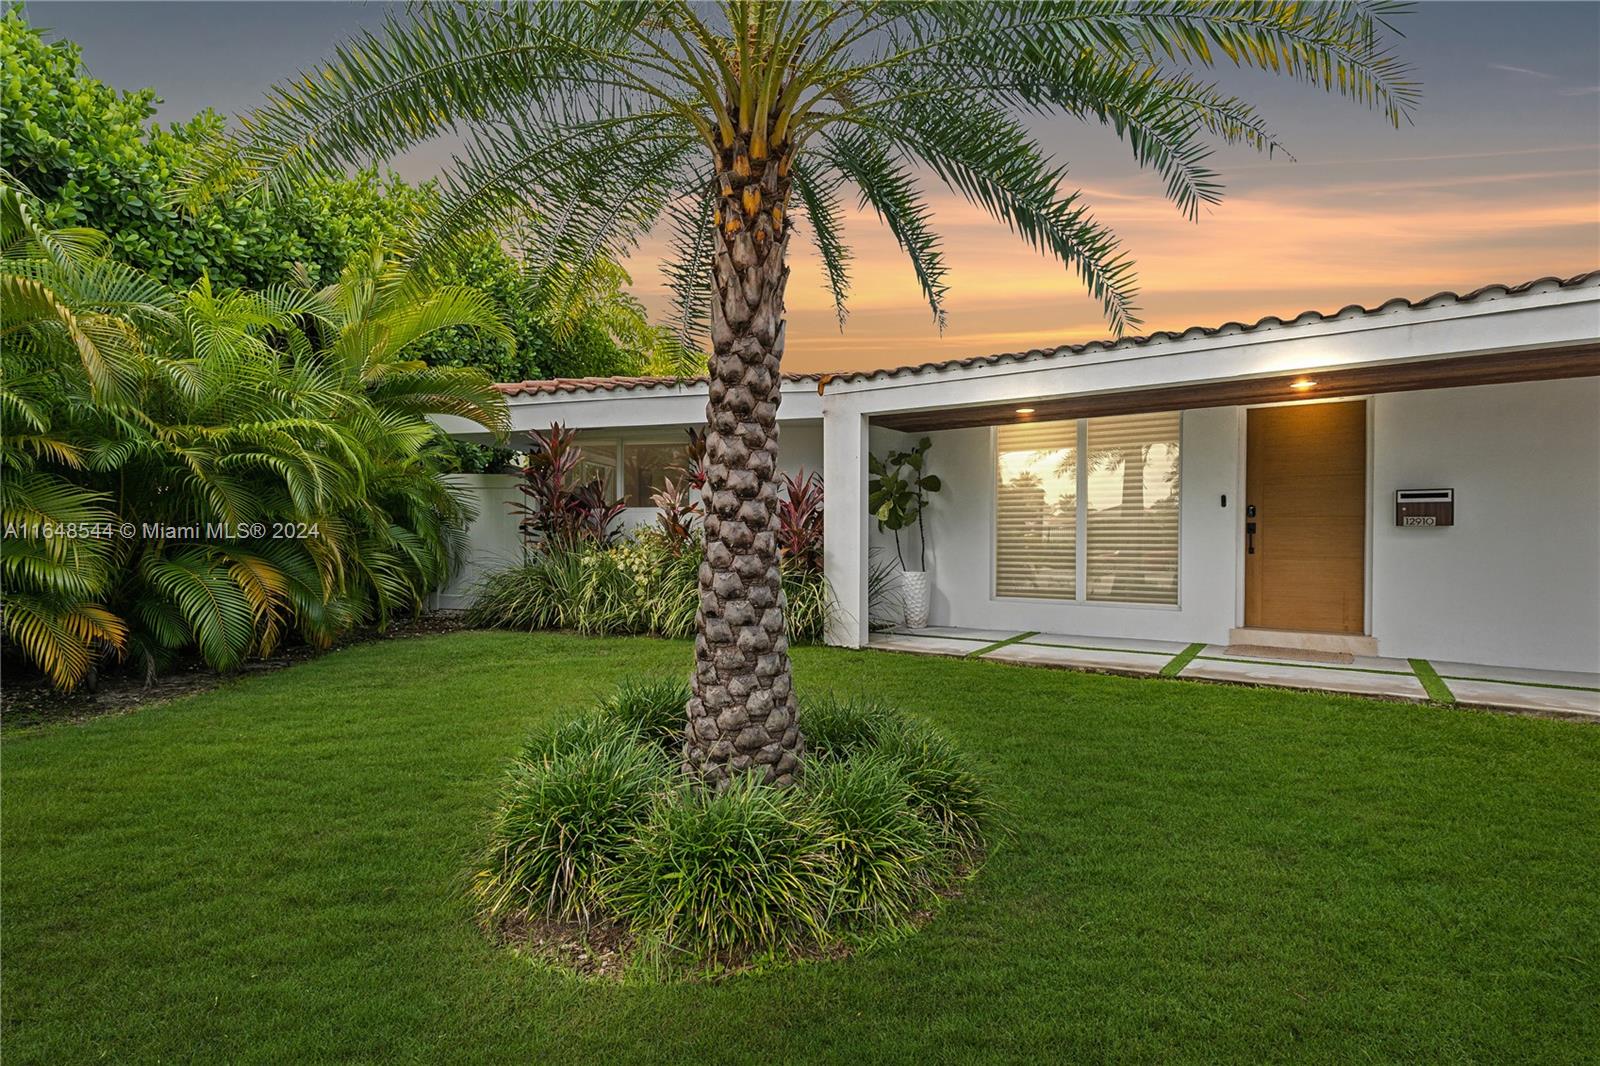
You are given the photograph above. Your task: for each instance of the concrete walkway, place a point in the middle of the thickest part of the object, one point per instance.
(1545, 692)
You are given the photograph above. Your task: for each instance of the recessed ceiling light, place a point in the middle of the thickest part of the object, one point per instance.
(1303, 384)
(1024, 410)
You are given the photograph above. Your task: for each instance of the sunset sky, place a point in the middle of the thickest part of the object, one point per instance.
(1496, 180)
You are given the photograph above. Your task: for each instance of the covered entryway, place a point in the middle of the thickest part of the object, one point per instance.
(1306, 517)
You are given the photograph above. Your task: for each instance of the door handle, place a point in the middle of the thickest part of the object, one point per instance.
(1250, 538)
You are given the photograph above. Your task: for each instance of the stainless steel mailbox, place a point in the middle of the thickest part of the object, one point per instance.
(1425, 507)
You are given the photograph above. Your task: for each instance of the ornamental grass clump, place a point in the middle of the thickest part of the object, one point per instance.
(945, 786)
(837, 727)
(653, 707)
(885, 858)
(598, 826)
(720, 877)
(569, 808)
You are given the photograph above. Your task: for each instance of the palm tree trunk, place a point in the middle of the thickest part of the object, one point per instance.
(742, 715)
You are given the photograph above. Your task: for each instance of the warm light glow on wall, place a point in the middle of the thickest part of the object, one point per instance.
(1024, 410)
(1303, 384)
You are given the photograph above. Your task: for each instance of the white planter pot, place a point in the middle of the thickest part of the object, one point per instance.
(914, 592)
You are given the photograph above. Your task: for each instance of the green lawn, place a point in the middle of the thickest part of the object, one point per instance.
(271, 873)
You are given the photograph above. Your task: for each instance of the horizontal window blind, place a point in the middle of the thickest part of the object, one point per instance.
(1132, 509)
(1036, 510)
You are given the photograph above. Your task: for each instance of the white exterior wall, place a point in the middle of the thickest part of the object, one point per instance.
(496, 544)
(1516, 581)
(961, 543)
(492, 539)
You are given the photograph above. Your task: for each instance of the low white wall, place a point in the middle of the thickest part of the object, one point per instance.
(961, 543)
(492, 539)
(1516, 581)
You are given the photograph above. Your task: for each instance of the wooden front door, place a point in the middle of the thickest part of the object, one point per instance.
(1305, 544)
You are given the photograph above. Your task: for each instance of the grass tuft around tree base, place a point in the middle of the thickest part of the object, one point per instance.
(597, 832)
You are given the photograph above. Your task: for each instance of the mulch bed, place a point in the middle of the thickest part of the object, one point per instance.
(27, 699)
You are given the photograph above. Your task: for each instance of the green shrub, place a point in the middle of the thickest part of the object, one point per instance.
(596, 823)
(587, 732)
(885, 856)
(258, 454)
(654, 708)
(668, 582)
(578, 587)
(945, 787)
(640, 585)
(92, 156)
(836, 727)
(718, 877)
(569, 809)
(810, 604)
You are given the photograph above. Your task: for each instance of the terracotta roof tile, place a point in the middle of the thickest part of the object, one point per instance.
(1440, 299)
(548, 386)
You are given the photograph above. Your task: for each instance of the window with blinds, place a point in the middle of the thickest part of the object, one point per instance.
(1108, 484)
(1036, 511)
(1132, 509)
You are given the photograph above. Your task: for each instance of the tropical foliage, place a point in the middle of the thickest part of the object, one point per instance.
(559, 510)
(92, 158)
(216, 469)
(738, 122)
(898, 487)
(579, 573)
(596, 825)
(647, 583)
(800, 523)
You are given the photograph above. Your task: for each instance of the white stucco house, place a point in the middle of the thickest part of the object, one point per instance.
(1420, 478)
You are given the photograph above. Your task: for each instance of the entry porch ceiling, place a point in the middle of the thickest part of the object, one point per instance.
(1497, 369)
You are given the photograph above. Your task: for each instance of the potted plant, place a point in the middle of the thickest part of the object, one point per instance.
(897, 493)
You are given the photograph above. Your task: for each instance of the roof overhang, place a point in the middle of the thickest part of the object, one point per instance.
(1307, 384)
(1541, 331)
(644, 407)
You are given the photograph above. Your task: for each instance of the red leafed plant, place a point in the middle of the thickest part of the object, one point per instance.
(679, 498)
(800, 520)
(555, 510)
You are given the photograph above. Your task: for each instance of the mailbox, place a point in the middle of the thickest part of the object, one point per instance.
(1425, 507)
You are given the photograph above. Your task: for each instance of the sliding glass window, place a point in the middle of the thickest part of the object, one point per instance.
(1036, 511)
(1109, 485)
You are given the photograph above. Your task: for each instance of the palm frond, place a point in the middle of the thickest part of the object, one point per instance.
(819, 196)
(991, 161)
(687, 268)
(887, 187)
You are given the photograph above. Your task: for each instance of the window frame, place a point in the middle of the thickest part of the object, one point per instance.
(616, 441)
(1080, 580)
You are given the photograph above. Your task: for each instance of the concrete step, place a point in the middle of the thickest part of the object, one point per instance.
(1289, 639)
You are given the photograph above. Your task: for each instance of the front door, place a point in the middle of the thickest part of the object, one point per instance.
(1306, 517)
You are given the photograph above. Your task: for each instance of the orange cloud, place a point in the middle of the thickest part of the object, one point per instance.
(1271, 249)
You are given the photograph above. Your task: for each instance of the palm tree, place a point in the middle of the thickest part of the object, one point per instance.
(740, 122)
(128, 406)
